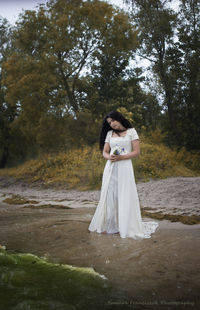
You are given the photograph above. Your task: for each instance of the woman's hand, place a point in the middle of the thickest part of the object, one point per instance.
(114, 158)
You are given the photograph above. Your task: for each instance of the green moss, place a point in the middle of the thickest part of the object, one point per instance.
(47, 206)
(30, 282)
(18, 200)
(185, 219)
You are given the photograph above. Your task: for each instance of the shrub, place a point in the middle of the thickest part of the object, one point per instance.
(82, 168)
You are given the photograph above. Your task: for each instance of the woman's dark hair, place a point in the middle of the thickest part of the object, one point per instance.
(106, 127)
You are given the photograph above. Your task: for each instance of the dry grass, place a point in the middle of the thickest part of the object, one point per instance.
(83, 168)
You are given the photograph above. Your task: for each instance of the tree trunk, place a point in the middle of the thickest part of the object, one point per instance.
(168, 98)
(4, 158)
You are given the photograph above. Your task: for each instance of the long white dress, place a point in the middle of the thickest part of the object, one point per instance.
(118, 209)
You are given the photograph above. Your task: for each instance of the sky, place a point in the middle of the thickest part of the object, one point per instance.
(10, 9)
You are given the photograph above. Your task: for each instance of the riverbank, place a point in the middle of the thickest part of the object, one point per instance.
(159, 273)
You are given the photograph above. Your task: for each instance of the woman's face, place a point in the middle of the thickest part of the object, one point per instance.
(113, 123)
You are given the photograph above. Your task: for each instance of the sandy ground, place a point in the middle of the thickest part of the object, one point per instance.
(157, 273)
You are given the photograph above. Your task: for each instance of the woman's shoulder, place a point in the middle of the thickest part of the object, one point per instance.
(109, 133)
(132, 133)
(132, 129)
(108, 136)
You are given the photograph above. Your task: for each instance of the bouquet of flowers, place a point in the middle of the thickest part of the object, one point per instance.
(119, 150)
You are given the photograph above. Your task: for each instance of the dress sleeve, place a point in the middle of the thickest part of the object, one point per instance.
(108, 136)
(134, 135)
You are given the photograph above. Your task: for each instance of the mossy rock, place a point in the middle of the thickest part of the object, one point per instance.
(30, 282)
(185, 219)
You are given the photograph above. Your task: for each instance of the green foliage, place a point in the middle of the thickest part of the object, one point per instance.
(53, 47)
(66, 64)
(189, 159)
(156, 23)
(189, 94)
(175, 63)
(7, 113)
(45, 79)
(155, 136)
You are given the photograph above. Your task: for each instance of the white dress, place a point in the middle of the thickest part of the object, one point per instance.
(118, 209)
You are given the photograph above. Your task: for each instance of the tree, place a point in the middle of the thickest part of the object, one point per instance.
(171, 42)
(55, 46)
(7, 112)
(189, 94)
(156, 24)
(67, 37)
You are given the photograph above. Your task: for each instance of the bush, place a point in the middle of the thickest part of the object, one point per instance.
(82, 168)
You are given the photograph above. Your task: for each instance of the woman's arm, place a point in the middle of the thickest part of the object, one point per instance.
(134, 153)
(106, 151)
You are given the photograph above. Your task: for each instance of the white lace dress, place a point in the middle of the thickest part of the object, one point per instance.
(118, 209)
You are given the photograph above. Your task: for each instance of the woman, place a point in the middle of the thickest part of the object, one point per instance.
(118, 209)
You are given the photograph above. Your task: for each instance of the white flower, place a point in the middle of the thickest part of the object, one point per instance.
(118, 150)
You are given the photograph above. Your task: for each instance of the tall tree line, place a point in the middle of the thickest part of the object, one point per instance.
(171, 41)
(66, 64)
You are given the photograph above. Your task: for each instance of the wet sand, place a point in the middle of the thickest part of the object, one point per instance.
(157, 273)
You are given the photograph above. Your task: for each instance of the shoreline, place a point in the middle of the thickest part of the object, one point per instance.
(160, 269)
(175, 196)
